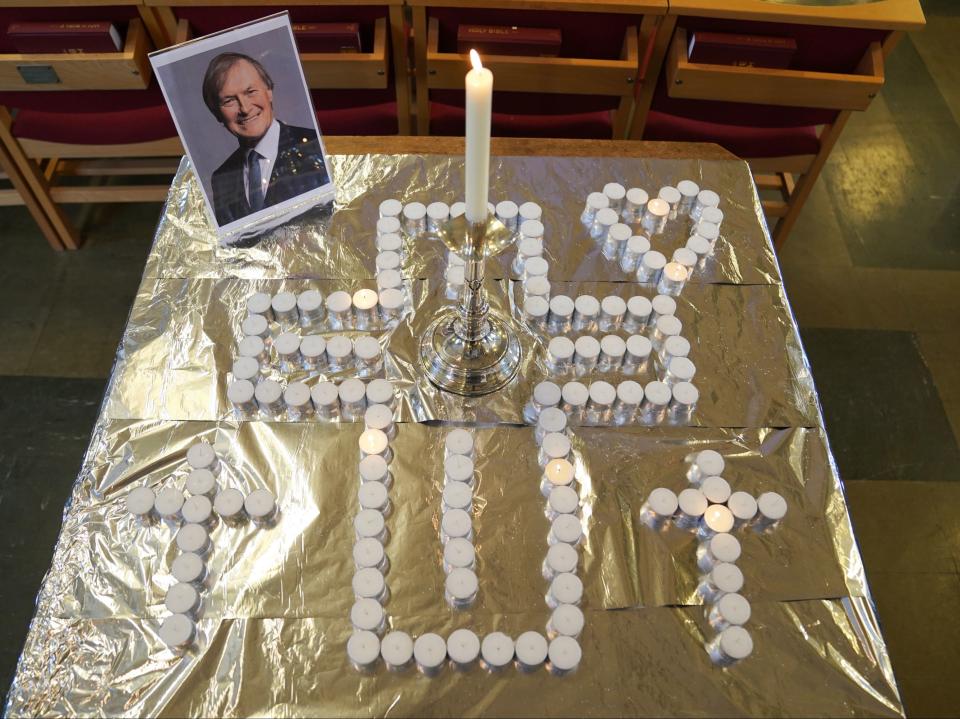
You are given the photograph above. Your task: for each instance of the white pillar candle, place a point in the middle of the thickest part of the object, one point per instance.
(637, 314)
(733, 610)
(189, 568)
(182, 598)
(269, 396)
(339, 310)
(255, 326)
(259, 303)
(479, 106)
(604, 220)
(724, 578)
(463, 648)
(389, 280)
(565, 588)
(574, 398)
(396, 648)
(561, 559)
(586, 313)
(564, 654)
(612, 350)
(717, 519)
(635, 201)
(311, 307)
(284, 306)
(688, 190)
(565, 621)
(496, 651)
(705, 199)
(562, 500)
(140, 502)
(616, 241)
(656, 398)
(193, 538)
(368, 552)
(600, 405)
(507, 212)
(373, 495)
(718, 548)
(297, 398)
(367, 355)
(457, 495)
(367, 615)
(586, 351)
(458, 553)
(672, 279)
(743, 506)
(650, 266)
(326, 400)
(565, 528)
(363, 650)
(531, 650)
(458, 468)
(660, 506)
(771, 508)
(456, 524)
(374, 469)
(313, 349)
(368, 583)
(612, 310)
(732, 645)
(197, 509)
(430, 653)
(637, 355)
(555, 445)
(228, 504)
(246, 368)
(557, 473)
(177, 631)
(561, 314)
(370, 523)
(438, 213)
(168, 503)
(596, 201)
(414, 218)
(691, 504)
(627, 403)
(353, 396)
(458, 441)
(460, 588)
(390, 208)
(655, 216)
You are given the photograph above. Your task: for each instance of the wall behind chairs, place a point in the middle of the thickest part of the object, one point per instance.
(209, 142)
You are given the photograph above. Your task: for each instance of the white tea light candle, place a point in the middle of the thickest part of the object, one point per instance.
(496, 650)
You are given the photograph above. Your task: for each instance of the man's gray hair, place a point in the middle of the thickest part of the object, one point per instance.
(217, 71)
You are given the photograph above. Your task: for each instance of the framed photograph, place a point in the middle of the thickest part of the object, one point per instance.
(245, 117)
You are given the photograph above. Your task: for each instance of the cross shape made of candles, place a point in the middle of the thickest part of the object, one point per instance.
(709, 508)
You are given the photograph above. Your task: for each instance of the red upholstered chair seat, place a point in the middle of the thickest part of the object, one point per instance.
(449, 120)
(746, 142)
(367, 120)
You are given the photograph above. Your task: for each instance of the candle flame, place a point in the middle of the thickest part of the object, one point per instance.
(475, 60)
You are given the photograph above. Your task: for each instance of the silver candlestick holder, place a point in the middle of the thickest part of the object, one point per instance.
(468, 349)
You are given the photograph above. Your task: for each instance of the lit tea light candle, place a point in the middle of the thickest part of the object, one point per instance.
(545, 394)
(616, 241)
(562, 500)
(627, 403)
(193, 538)
(705, 199)
(363, 650)
(730, 646)
(374, 469)
(561, 559)
(574, 398)
(560, 320)
(458, 468)
(555, 445)
(197, 510)
(602, 222)
(460, 588)
(140, 502)
(691, 504)
(390, 208)
(380, 416)
(430, 653)
(565, 621)
(564, 655)
(189, 568)
(586, 313)
(531, 650)
(340, 309)
(716, 520)
(733, 610)
(269, 396)
(177, 631)
(259, 303)
(368, 356)
(353, 397)
(527, 247)
(370, 523)
(228, 504)
(724, 578)
(612, 310)
(635, 201)
(367, 615)
(656, 399)
(365, 309)
(612, 351)
(536, 287)
(771, 508)
(391, 305)
(665, 326)
(637, 354)
(743, 506)
(455, 524)
(631, 256)
(596, 201)
(586, 352)
(326, 400)
(672, 279)
(313, 350)
(396, 648)
(458, 441)
(437, 214)
(706, 463)
(463, 648)
(557, 473)
(310, 306)
(373, 495)
(389, 280)
(414, 218)
(368, 552)
(650, 266)
(457, 495)
(368, 583)
(246, 368)
(168, 503)
(535, 310)
(284, 306)
(255, 326)
(297, 398)
(671, 195)
(660, 506)
(261, 506)
(507, 212)
(566, 588)
(551, 419)
(688, 190)
(375, 442)
(655, 216)
(496, 651)
(565, 528)
(716, 549)
(600, 404)
(182, 598)
(458, 553)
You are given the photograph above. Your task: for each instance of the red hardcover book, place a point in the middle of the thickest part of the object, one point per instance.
(509, 40)
(719, 48)
(55, 37)
(327, 36)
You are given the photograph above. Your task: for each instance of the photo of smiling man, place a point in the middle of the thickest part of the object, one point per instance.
(243, 111)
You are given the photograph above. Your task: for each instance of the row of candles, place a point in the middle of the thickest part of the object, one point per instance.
(194, 516)
(348, 401)
(710, 508)
(562, 314)
(365, 309)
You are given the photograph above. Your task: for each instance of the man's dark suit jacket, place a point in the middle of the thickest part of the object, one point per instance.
(299, 168)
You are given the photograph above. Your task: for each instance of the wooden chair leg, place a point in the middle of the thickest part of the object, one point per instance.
(658, 31)
(401, 68)
(47, 229)
(420, 60)
(37, 186)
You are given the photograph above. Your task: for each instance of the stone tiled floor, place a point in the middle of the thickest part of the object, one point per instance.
(872, 273)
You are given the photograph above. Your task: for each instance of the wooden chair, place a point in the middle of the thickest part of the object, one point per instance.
(783, 122)
(590, 90)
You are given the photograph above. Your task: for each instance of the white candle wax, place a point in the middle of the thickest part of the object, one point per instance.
(396, 648)
(479, 89)
(531, 650)
(430, 652)
(497, 650)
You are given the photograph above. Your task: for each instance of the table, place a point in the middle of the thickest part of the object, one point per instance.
(275, 621)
